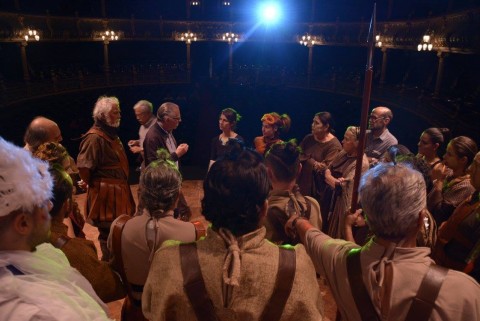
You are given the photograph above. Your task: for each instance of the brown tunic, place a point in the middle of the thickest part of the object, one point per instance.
(314, 151)
(82, 255)
(109, 194)
(337, 201)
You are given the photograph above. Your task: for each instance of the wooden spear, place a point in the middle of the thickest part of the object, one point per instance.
(367, 89)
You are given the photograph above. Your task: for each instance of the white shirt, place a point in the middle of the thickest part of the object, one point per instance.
(48, 289)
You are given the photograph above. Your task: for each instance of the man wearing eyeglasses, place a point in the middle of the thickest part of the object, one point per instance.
(160, 136)
(378, 137)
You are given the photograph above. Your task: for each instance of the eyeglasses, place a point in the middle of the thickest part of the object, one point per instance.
(176, 118)
(375, 118)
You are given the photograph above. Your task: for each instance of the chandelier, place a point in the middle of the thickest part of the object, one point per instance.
(309, 40)
(188, 37)
(425, 44)
(107, 35)
(30, 34)
(230, 37)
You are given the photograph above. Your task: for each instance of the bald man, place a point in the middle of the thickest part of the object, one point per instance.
(41, 130)
(378, 137)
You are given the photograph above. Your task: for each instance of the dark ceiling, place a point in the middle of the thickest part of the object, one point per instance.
(241, 10)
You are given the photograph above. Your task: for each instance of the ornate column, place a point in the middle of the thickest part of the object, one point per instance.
(441, 65)
(230, 62)
(189, 65)
(384, 66)
(106, 64)
(309, 41)
(310, 63)
(23, 54)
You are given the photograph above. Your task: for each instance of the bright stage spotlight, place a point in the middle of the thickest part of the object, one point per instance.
(269, 12)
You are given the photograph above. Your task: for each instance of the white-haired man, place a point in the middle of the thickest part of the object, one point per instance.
(392, 271)
(37, 281)
(103, 166)
(143, 110)
(160, 136)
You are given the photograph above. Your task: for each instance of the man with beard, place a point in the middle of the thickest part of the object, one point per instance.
(378, 137)
(37, 281)
(103, 166)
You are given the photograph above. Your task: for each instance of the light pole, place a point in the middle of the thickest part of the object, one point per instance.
(379, 42)
(231, 38)
(188, 37)
(309, 41)
(24, 37)
(106, 36)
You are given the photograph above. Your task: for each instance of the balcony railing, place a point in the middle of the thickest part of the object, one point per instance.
(445, 113)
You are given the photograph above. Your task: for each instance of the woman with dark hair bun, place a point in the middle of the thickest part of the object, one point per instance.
(273, 125)
(431, 146)
(227, 122)
(318, 150)
(241, 271)
(454, 185)
(283, 167)
(458, 243)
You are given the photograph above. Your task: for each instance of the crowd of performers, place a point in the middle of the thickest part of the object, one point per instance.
(416, 208)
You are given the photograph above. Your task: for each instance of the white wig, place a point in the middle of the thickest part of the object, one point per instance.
(24, 180)
(103, 106)
(144, 105)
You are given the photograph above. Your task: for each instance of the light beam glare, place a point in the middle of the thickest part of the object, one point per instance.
(269, 13)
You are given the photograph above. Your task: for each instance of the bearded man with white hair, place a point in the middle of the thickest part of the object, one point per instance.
(390, 278)
(37, 281)
(103, 166)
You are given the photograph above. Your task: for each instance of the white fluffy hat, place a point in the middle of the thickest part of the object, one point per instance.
(24, 181)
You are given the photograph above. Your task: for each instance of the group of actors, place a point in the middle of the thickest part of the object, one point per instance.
(404, 252)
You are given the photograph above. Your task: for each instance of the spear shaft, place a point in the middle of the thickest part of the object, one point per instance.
(367, 89)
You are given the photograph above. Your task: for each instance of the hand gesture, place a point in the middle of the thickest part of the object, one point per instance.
(182, 149)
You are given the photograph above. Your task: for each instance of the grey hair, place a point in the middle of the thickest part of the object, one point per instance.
(103, 106)
(160, 185)
(144, 105)
(354, 130)
(165, 109)
(392, 196)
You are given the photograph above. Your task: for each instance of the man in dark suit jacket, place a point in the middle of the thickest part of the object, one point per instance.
(160, 136)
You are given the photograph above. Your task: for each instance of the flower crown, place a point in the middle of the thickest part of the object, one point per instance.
(270, 119)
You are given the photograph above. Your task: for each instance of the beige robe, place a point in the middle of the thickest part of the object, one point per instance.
(135, 249)
(459, 297)
(164, 297)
